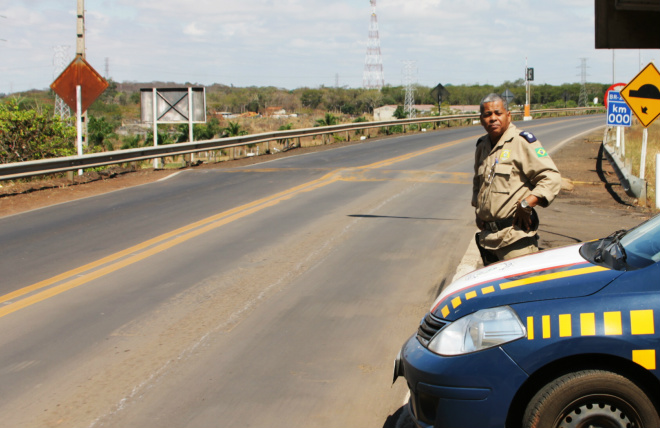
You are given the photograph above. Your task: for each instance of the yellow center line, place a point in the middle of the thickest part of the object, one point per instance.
(148, 248)
(388, 162)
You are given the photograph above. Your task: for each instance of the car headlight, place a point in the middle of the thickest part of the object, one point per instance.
(478, 331)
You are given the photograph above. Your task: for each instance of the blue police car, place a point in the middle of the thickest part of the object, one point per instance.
(561, 338)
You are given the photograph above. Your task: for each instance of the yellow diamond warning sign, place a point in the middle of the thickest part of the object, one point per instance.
(643, 95)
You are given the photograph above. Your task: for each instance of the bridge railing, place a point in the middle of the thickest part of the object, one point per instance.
(17, 170)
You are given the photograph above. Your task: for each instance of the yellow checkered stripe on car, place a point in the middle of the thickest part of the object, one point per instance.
(457, 300)
(597, 323)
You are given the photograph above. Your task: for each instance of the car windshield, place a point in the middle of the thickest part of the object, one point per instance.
(642, 243)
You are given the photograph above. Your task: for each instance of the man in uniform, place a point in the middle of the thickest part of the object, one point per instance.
(513, 174)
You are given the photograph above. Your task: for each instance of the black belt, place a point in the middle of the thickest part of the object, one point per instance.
(496, 226)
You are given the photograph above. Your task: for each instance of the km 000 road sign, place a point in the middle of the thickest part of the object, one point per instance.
(618, 112)
(643, 95)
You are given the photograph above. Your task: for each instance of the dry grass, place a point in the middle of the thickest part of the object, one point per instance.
(633, 154)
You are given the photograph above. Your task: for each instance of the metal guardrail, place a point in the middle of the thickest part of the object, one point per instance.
(16, 170)
(633, 186)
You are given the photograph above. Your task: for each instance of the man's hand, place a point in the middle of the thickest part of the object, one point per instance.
(522, 218)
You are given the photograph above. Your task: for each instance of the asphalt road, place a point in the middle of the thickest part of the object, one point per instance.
(273, 295)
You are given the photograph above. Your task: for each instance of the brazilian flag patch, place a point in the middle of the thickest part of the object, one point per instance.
(541, 153)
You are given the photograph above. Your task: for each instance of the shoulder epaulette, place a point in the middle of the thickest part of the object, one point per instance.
(528, 136)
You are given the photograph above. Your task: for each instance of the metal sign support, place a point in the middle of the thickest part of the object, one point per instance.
(190, 121)
(155, 116)
(642, 166)
(79, 130)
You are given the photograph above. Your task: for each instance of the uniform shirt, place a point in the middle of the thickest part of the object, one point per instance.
(515, 168)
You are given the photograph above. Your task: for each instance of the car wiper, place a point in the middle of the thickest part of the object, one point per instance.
(616, 248)
(605, 243)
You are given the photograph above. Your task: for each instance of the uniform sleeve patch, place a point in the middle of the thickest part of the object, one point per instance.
(528, 136)
(541, 153)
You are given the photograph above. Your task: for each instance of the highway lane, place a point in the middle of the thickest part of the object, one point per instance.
(271, 295)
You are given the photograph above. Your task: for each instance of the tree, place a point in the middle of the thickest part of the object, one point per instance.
(311, 98)
(233, 129)
(202, 131)
(29, 135)
(328, 120)
(99, 130)
(400, 113)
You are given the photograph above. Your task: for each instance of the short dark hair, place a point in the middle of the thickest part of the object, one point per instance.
(492, 97)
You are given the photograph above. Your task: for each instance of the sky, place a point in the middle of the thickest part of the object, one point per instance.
(310, 43)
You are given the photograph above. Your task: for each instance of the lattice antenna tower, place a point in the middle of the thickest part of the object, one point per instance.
(60, 62)
(373, 77)
(582, 102)
(409, 69)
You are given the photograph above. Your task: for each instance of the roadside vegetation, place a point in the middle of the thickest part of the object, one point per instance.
(29, 130)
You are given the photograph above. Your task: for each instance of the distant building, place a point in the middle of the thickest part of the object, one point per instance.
(384, 113)
(274, 111)
(387, 112)
(224, 114)
(464, 109)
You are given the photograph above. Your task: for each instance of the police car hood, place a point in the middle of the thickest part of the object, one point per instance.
(551, 274)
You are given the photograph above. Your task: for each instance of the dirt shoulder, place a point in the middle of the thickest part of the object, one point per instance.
(592, 203)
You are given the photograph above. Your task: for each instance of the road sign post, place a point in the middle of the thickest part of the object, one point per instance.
(79, 85)
(79, 123)
(643, 96)
(173, 105)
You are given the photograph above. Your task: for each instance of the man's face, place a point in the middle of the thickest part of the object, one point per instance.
(495, 119)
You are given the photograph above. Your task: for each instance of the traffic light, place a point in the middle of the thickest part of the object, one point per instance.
(530, 74)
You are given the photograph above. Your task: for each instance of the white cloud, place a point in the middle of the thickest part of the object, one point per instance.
(293, 43)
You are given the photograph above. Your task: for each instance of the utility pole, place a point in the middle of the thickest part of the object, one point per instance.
(80, 51)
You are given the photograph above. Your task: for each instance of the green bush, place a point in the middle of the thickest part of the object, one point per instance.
(30, 135)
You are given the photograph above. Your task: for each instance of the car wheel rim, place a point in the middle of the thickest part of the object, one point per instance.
(599, 411)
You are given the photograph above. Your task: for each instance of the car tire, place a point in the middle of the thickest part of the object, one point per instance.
(591, 398)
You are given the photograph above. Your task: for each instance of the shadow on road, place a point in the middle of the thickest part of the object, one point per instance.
(398, 217)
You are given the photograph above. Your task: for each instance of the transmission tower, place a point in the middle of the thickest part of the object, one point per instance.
(582, 102)
(60, 62)
(373, 77)
(409, 80)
